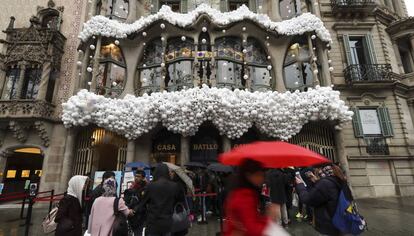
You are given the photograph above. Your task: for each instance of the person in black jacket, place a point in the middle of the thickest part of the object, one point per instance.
(324, 198)
(69, 214)
(277, 181)
(132, 198)
(160, 197)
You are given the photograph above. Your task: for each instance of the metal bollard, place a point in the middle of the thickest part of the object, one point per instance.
(52, 194)
(29, 216)
(22, 210)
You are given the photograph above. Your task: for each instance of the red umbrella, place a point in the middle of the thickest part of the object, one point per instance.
(275, 154)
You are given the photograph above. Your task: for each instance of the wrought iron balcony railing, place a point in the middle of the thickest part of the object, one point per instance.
(373, 72)
(377, 146)
(26, 109)
(352, 6)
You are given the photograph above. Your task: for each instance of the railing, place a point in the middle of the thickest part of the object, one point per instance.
(374, 72)
(377, 146)
(26, 109)
(352, 5)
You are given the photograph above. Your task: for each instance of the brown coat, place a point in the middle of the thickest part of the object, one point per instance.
(69, 217)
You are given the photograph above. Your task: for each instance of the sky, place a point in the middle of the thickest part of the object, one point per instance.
(410, 7)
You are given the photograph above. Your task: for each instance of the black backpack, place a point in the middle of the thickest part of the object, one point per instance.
(120, 225)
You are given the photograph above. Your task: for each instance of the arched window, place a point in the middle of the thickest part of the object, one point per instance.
(229, 59)
(150, 67)
(257, 63)
(111, 75)
(179, 63)
(118, 9)
(298, 73)
(289, 8)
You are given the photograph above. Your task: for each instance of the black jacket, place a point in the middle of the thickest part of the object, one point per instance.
(160, 198)
(69, 217)
(324, 198)
(277, 181)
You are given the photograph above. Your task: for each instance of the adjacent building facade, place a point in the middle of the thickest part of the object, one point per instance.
(370, 60)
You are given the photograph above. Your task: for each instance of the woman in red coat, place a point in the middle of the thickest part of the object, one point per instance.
(242, 205)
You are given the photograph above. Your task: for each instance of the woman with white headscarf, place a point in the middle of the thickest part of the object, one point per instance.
(69, 215)
(102, 215)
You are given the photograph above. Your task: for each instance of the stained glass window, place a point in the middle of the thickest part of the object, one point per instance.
(256, 58)
(179, 49)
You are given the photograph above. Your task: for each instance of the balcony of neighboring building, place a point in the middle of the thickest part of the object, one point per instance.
(352, 7)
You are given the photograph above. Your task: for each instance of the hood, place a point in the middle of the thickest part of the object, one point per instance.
(161, 171)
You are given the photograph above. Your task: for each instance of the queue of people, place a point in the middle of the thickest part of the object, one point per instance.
(253, 201)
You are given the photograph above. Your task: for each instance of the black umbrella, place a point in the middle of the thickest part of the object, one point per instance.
(195, 164)
(217, 167)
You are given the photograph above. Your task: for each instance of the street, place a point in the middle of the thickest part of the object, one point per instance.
(385, 216)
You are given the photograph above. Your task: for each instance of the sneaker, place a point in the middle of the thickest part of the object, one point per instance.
(305, 217)
(299, 215)
(199, 219)
(209, 212)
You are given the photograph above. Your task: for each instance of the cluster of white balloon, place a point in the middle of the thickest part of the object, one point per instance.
(279, 115)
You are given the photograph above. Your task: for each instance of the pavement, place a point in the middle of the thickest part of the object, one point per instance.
(385, 216)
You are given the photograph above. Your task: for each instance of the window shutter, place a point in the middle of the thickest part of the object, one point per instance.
(370, 48)
(155, 7)
(356, 122)
(184, 6)
(347, 49)
(223, 5)
(385, 121)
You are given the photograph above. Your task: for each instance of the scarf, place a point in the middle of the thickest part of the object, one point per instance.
(75, 186)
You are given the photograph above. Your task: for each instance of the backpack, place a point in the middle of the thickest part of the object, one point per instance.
(49, 225)
(120, 225)
(347, 218)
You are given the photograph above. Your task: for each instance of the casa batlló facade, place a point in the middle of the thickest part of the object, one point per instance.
(92, 85)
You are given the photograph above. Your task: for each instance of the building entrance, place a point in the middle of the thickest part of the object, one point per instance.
(22, 164)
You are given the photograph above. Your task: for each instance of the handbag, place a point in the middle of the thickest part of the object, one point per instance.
(181, 220)
(120, 225)
(49, 225)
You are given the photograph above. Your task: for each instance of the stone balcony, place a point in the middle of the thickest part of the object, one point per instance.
(342, 8)
(26, 109)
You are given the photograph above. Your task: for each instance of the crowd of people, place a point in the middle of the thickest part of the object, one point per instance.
(251, 200)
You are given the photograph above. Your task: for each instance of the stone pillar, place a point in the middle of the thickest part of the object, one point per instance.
(226, 143)
(82, 83)
(342, 154)
(274, 11)
(140, 9)
(92, 8)
(397, 54)
(130, 156)
(132, 11)
(412, 47)
(323, 59)
(96, 64)
(315, 8)
(68, 157)
(44, 81)
(20, 83)
(131, 60)
(185, 150)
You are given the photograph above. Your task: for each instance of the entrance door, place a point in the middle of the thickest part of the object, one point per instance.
(107, 157)
(22, 164)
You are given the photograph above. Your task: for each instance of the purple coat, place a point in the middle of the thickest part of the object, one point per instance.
(102, 215)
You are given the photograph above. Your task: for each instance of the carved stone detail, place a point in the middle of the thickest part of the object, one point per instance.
(18, 131)
(42, 132)
(26, 109)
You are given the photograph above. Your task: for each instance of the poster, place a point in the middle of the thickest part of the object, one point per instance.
(98, 179)
(369, 121)
(128, 180)
(1, 188)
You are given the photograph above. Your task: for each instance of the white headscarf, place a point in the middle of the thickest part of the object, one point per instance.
(75, 186)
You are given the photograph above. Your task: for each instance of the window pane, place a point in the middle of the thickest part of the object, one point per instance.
(357, 51)
(288, 9)
(11, 174)
(174, 4)
(25, 173)
(153, 53)
(229, 47)
(259, 75)
(255, 52)
(110, 79)
(31, 83)
(233, 5)
(225, 72)
(12, 78)
(151, 77)
(176, 48)
(111, 51)
(119, 8)
(54, 74)
(179, 73)
(370, 122)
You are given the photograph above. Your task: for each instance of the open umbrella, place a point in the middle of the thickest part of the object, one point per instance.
(195, 164)
(274, 154)
(217, 167)
(183, 176)
(137, 164)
